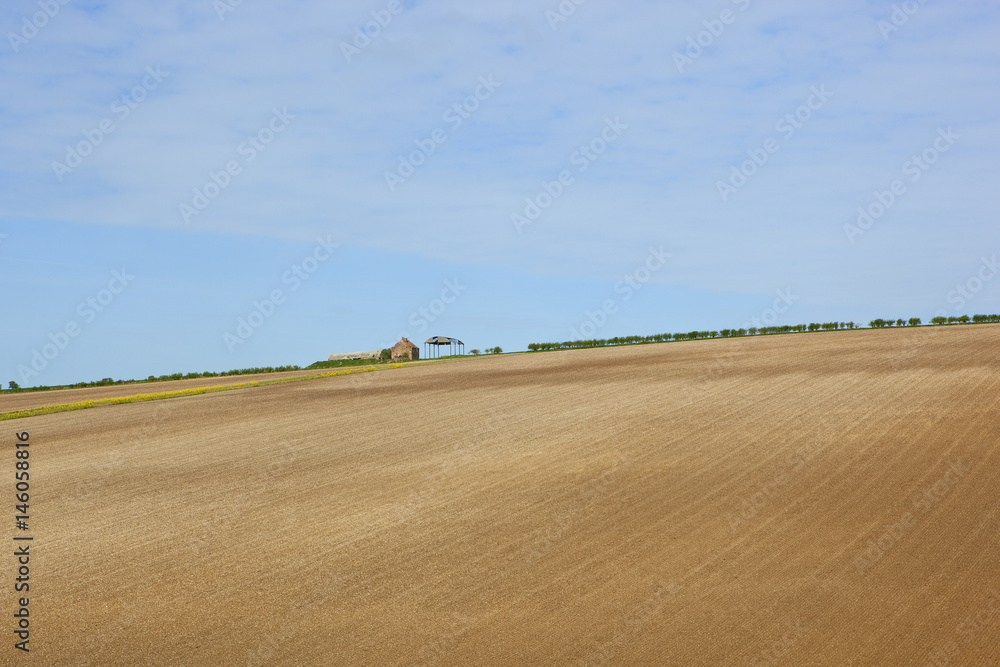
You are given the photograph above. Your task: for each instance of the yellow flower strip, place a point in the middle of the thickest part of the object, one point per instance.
(84, 405)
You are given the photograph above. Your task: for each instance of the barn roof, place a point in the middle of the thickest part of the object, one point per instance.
(443, 340)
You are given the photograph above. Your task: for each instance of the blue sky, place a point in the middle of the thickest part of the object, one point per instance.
(207, 149)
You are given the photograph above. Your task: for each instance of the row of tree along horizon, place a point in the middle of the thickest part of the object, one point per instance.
(109, 382)
(577, 344)
(758, 331)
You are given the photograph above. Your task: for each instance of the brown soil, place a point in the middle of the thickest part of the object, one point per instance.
(820, 499)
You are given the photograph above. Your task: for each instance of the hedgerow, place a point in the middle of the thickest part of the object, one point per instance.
(755, 331)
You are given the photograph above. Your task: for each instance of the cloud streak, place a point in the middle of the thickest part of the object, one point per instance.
(356, 114)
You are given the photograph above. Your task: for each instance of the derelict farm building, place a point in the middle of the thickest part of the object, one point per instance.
(346, 356)
(405, 349)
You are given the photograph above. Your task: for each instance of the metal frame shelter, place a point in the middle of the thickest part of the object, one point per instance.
(434, 344)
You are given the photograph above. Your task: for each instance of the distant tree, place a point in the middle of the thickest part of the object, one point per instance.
(385, 355)
(939, 320)
(14, 386)
(752, 331)
(915, 322)
(497, 350)
(475, 352)
(900, 322)
(964, 319)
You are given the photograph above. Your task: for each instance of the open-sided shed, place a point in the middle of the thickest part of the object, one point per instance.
(432, 346)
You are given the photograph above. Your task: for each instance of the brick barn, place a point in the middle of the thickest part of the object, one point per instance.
(405, 349)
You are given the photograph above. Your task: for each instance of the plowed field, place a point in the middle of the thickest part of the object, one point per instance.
(818, 499)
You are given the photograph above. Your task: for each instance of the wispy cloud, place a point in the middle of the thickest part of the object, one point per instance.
(355, 117)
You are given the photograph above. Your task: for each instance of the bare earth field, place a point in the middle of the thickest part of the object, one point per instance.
(819, 499)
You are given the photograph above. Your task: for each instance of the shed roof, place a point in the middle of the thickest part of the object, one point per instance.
(443, 340)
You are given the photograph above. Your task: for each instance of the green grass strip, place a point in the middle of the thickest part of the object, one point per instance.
(86, 405)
